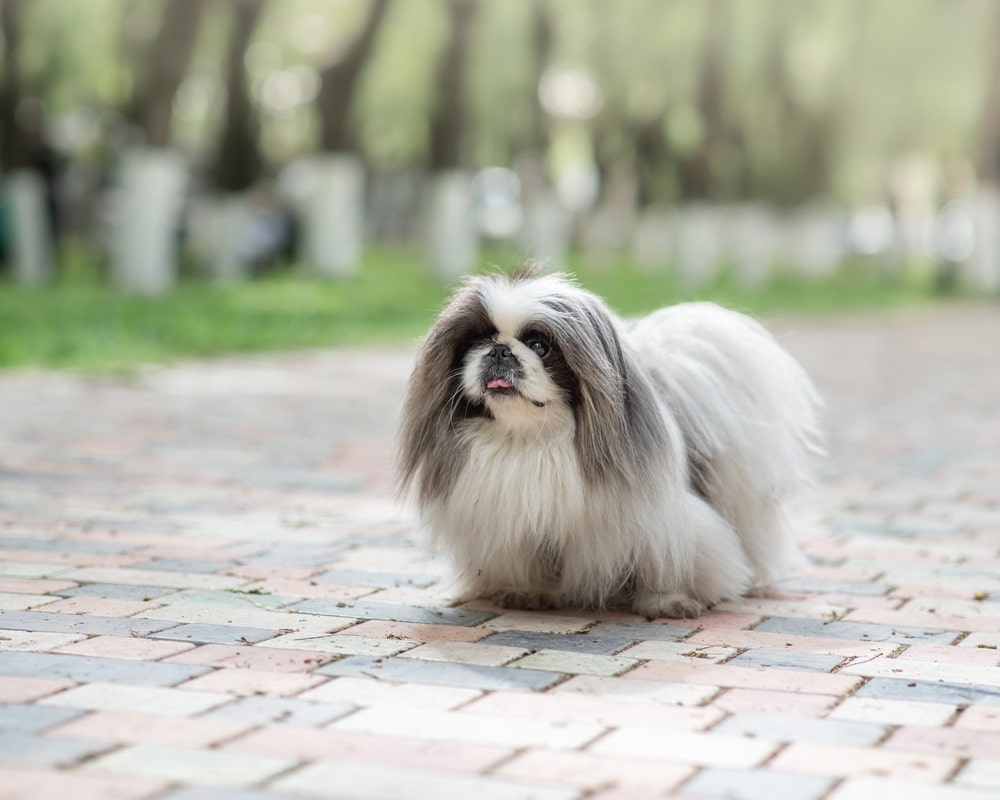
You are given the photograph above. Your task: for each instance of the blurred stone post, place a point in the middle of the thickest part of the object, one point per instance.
(147, 217)
(452, 236)
(335, 216)
(699, 247)
(982, 271)
(31, 241)
(755, 245)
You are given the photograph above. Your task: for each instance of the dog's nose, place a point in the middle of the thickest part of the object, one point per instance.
(500, 352)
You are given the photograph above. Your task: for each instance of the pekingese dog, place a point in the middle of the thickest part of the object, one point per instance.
(565, 458)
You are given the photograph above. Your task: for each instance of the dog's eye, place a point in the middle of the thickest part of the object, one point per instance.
(537, 343)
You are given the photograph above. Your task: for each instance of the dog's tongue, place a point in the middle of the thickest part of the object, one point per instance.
(499, 383)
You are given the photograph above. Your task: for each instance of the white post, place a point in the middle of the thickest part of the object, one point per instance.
(548, 227)
(982, 271)
(699, 247)
(756, 241)
(335, 216)
(655, 239)
(31, 243)
(453, 241)
(226, 248)
(144, 244)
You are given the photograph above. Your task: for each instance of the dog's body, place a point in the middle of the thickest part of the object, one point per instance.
(564, 459)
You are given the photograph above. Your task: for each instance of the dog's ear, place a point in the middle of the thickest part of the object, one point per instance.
(619, 425)
(430, 452)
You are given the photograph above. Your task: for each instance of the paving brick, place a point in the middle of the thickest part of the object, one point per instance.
(19, 783)
(570, 663)
(680, 651)
(756, 784)
(215, 634)
(129, 648)
(657, 631)
(685, 747)
(858, 631)
(361, 609)
(22, 749)
(779, 659)
(488, 655)
(374, 579)
(590, 772)
(895, 712)
(339, 644)
(144, 699)
(135, 727)
(152, 577)
(953, 742)
(747, 677)
(183, 565)
(244, 682)
(766, 701)
(375, 783)
(75, 623)
(217, 793)
(34, 585)
(468, 676)
(792, 728)
(929, 692)
(542, 622)
(89, 669)
(469, 728)
(98, 606)
(114, 591)
(20, 690)
(587, 642)
(13, 601)
(638, 691)
(246, 657)
(866, 788)
(190, 765)
(259, 710)
(843, 761)
(33, 718)
(366, 692)
(34, 641)
(393, 750)
(986, 676)
(981, 718)
(981, 774)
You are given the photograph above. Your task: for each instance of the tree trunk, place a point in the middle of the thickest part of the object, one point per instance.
(237, 164)
(989, 145)
(449, 117)
(13, 153)
(167, 62)
(340, 81)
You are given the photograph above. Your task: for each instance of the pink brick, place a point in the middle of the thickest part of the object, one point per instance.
(23, 690)
(782, 680)
(567, 707)
(34, 585)
(125, 647)
(170, 731)
(23, 782)
(727, 621)
(825, 759)
(417, 632)
(253, 681)
(925, 619)
(591, 772)
(101, 606)
(243, 657)
(311, 744)
(301, 587)
(947, 742)
(269, 572)
(76, 560)
(736, 701)
(980, 718)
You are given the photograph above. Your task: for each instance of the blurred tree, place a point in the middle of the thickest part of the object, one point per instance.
(449, 117)
(13, 149)
(339, 82)
(988, 160)
(238, 162)
(160, 65)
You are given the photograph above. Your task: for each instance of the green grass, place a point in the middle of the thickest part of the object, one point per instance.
(79, 323)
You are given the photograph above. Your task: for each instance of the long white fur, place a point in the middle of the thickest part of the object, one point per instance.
(728, 394)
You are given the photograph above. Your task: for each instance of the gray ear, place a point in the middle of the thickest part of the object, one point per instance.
(619, 424)
(430, 454)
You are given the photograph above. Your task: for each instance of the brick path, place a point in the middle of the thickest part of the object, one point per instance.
(207, 591)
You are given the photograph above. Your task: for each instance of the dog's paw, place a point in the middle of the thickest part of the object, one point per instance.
(662, 604)
(526, 601)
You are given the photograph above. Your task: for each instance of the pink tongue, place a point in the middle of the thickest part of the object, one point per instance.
(498, 383)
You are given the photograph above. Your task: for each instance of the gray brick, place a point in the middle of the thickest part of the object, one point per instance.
(92, 669)
(115, 591)
(930, 691)
(288, 711)
(858, 631)
(22, 749)
(643, 631)
(377, 580)
(756, 784)
(785, 728)
(833, 586)
(43, 622)
(203, 633)
(53, 545)
(298, 556)
(184, 565)
(780, 659)
(575, 642)
(440, 674)
(230, 598)
(34, 719)
(361, 609)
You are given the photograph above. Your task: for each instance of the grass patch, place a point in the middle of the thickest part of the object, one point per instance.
(79, 323)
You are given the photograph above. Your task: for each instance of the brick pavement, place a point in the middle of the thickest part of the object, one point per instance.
(207, 591)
